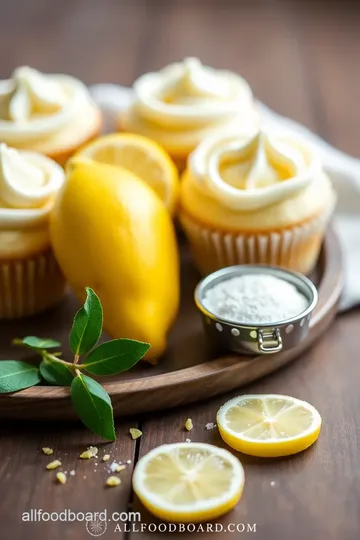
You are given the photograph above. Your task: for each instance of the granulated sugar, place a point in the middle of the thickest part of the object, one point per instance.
(255, 299)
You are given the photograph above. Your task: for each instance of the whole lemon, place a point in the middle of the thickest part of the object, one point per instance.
(111, 232)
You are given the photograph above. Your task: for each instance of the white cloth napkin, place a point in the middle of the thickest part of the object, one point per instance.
(343, 169)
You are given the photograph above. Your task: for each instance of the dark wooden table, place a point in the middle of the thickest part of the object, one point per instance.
(301, 58)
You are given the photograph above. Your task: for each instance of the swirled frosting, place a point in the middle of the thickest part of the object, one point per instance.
(262, 181)
(28, 183)
(184, 102)
(44, 112)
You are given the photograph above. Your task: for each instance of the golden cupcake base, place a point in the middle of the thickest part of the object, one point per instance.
(295, 248)
(62, 155)
(29, 286)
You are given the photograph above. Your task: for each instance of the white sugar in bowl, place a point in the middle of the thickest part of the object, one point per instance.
(255, 309)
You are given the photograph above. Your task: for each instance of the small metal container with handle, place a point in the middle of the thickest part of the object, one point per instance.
(253, 339)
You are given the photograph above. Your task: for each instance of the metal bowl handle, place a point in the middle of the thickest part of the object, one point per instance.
(265, 336)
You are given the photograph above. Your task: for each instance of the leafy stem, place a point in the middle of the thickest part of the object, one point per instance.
(53, 358)
(89, 398)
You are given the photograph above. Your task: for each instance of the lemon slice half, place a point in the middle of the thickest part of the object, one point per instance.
(268, 425)
(141, 156)
(188, 482)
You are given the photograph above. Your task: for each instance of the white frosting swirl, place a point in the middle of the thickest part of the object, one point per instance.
(189, 91)
(28, 183)
(34, 105)
(250, 174)
(185, 102)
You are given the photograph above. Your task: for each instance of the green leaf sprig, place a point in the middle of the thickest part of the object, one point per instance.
(89, 398)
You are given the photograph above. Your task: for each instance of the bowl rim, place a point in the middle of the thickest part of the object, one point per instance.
(223, 274)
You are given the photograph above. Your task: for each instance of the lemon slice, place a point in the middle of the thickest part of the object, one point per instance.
(142, 157)
(268, 425)
(188, 482)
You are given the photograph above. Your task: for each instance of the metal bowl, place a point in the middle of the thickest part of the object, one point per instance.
(252, 339)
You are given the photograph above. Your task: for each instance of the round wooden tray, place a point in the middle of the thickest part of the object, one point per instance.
(187, 373)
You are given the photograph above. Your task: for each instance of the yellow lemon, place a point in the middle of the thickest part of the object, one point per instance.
(268, 425)
(188, 482)
(111, 232)
(141, 156)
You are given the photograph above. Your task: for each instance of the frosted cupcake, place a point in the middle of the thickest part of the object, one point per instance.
(50, 114)
(260, 200)
(30, 279)
(184, 103)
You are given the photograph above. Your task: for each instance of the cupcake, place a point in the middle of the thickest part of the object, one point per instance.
(30, 279)
(49, 114)
(258, 200)
(184, 103)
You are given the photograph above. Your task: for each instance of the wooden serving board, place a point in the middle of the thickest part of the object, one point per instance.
(188, 372)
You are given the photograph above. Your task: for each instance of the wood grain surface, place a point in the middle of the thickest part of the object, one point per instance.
(301, 58)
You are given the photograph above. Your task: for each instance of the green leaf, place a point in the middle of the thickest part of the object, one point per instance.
(16, 375)
(115, 356)
(87, 325)
(37, 343)
(56, 372)
(93, 405)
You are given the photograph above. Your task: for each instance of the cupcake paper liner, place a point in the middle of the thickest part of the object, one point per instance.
(295, 248)
(29, 286)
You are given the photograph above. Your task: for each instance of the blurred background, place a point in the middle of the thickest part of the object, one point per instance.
(300, 56)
